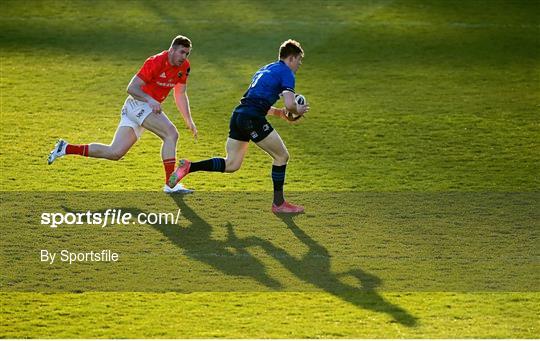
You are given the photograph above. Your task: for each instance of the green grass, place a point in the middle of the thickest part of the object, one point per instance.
(276, 315)
(422, 141)
(403, 98)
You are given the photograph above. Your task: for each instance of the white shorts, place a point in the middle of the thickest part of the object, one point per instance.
(133, 114)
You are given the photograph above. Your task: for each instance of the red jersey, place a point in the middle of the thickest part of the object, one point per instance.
(160, 76)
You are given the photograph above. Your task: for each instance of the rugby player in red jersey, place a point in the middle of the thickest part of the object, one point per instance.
(142, 111)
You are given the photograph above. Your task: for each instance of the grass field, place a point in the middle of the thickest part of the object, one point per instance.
(418, 166)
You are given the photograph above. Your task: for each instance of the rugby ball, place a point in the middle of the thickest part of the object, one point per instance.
(299, 99)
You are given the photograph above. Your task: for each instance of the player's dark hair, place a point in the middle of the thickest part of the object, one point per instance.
(180, 40)
(290, 48)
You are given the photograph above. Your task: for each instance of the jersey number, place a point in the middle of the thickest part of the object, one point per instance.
(256, 79)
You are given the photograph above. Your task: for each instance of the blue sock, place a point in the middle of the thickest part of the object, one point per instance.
(216, 164)
(278, 177)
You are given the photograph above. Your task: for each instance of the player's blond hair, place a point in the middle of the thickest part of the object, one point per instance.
(180, 41)
(290, 48)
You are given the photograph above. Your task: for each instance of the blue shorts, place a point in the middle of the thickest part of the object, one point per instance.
(245, 127)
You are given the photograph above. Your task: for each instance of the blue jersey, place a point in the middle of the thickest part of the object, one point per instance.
(266, 86)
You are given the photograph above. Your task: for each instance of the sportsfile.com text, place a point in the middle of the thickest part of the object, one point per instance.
(108, 217)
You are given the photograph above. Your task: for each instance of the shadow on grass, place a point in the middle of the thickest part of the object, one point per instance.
(231, 257)
(197, 243)
(313, 268)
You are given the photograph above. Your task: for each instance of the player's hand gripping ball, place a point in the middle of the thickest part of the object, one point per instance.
(299, 99)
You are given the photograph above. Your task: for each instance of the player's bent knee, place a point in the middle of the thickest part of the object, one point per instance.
(282, 159)
(169, 134)
(232, 167)
(172, 134)
(116, 155)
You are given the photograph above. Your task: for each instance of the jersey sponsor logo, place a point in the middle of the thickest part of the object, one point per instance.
(168, 85)
(163, 75)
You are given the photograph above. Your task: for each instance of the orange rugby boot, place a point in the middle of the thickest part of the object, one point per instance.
(180, 172)
(287, 208)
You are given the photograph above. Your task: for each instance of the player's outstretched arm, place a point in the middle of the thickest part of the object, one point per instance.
(182, 103)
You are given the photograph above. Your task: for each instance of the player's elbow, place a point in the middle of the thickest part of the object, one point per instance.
(129, 89)
(135, 84)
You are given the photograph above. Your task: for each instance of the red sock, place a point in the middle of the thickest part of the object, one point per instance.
(169, 165)
(78, 149)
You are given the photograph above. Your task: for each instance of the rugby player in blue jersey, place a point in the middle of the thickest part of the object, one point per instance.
(248, 122)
